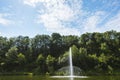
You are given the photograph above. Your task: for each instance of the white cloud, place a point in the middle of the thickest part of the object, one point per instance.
(5, 21)
(55, 13)
(31, 2)
(113, 23)
(91, 23)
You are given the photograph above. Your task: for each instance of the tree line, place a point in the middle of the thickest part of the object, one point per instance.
(98, 52)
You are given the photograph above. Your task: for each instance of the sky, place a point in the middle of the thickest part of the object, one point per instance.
(66, 17)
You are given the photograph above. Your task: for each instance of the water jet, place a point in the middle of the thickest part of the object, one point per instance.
(71, 68)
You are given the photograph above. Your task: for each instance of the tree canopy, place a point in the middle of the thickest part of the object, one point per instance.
(44, 53)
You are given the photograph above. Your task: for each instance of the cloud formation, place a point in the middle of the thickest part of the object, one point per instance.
(55, 13)
(113, 23)
(94, 23)
(4, 21)
(90, 24)
(60, 15)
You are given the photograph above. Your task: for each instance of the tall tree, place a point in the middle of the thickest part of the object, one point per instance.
(41, 64)
(56, 44)
(50, 61)
(40, 44)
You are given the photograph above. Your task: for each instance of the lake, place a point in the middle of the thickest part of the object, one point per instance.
(49, 78)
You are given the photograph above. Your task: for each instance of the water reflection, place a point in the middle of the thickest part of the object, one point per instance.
(71, 78)
(49, 78)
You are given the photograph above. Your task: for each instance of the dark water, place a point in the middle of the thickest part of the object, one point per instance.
(48, 78)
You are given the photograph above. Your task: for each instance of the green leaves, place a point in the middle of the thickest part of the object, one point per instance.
(21, 58)
(40, 60)
(102, 58)
(50, 60)
(45, 53)
(12, 54)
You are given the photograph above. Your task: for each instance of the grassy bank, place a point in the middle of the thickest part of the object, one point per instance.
(16, 73)
(91, 73)
(86, 73)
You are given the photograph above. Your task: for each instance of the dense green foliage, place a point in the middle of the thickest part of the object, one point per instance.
(98, 52)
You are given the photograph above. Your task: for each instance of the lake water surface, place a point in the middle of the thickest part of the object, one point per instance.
(49, 78)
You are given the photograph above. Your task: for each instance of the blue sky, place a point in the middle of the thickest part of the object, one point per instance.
(67, 17)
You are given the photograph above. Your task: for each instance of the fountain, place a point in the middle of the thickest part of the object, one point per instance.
(70, 62)
(71, 69)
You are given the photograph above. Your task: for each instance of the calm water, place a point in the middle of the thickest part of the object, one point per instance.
(48, 78)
